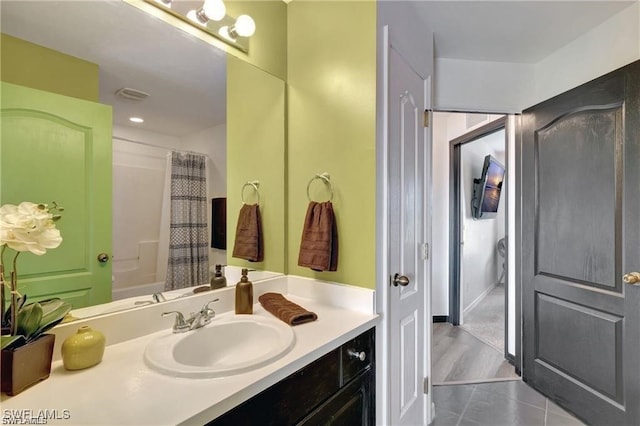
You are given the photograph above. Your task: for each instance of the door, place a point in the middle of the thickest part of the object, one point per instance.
(407, 235)
(57, 148)
(580, 234)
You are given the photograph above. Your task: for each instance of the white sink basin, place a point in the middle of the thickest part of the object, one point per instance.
(228, 345)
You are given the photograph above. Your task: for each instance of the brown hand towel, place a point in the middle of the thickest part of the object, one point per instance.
(319, 245)
(285, 309)
(249, 244)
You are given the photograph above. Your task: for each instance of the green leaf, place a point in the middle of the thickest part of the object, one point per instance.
(50, 307)
(21, 301)
(8, 341)
(28, 319)
(53, 311)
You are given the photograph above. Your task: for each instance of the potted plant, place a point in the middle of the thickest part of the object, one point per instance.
(26, 351)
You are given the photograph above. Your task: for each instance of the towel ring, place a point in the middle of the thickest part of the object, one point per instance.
(326, 179)
(255, 185)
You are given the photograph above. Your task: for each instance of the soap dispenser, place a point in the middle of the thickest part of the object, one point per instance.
(218, 280)
(244, 294)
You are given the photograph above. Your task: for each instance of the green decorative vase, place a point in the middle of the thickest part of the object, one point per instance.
(84, 349)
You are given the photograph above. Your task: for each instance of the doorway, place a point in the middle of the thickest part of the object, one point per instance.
(478, 296)
(474, 299)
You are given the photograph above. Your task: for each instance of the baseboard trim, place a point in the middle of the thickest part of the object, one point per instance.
(440, 318)
(479, 299)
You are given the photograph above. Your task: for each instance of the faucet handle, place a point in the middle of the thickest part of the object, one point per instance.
(180, 324)
(158, 297)
(206, 306)
(207, 312)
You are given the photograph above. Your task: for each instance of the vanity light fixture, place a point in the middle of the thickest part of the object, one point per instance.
(211, 10)
(244, 26)
(211, 18)
(136, 119)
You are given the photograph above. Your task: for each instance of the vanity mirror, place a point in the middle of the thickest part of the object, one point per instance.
(185, 110)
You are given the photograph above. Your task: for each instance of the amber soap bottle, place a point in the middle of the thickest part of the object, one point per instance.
(244, 294)
(218, 280)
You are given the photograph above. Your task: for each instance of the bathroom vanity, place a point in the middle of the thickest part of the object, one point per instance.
(328, 373)
(337, 388)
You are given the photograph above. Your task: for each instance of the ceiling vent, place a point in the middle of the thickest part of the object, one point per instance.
(131, 94)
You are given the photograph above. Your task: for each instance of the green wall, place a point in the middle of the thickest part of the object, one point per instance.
(331, 76)
(256, 151)
(30, 65)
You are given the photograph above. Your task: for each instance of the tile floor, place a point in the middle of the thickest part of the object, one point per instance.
(497, 404)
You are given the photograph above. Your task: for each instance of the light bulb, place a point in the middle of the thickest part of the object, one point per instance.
(224, 32)
(245, 26)
(214, 9)
(193, 15)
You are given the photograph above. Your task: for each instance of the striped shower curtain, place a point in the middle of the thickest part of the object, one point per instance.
(188, 235)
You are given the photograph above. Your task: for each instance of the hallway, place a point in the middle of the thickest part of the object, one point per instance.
(473, 352)
(486, 320)
(458, 356)
(511, 403)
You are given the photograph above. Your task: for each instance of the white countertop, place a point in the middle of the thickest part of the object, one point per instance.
(122, 390)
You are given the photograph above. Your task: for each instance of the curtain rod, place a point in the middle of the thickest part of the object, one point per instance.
(161, 147)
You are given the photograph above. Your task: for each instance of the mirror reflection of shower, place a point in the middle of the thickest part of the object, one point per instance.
(142, 206)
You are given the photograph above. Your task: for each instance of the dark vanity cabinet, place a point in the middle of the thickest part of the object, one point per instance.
(336, 389)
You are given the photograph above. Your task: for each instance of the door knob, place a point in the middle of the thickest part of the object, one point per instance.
(400, 280)
(631, 278)
(103, 258)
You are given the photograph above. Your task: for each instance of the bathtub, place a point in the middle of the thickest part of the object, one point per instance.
(137, 290)
(131, 297)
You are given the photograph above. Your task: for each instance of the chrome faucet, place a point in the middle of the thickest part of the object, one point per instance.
(196, 320)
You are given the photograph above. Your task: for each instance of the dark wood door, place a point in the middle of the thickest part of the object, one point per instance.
(580, 235)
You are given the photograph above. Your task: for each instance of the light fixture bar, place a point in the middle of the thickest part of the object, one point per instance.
(203, 23)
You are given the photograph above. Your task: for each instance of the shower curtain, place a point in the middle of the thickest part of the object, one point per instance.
(188, 256)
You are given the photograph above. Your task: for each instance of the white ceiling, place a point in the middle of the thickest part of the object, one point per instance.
(511, 30)
(186, 76)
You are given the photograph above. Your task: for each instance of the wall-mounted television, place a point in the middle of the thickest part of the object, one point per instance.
(487, 189)
(219, 223)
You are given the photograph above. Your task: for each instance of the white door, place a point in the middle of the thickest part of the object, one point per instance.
(408, 227)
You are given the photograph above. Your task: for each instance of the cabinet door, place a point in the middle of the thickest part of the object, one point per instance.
(351, 406)
(291, 399)
(57, 148)
(357, 355)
